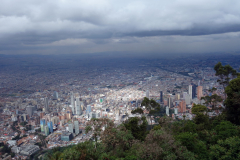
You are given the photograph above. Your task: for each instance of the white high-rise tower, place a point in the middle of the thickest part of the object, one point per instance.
(78, 106)
(147, 94)
(72, 103)
(167, 111)
(190, 91)
(46, 104)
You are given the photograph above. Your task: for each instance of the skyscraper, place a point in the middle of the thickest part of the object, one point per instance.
(194, 89)
(42, 124)
(30, 110)
(177, 96)
(167, 111)
(78, 107)
(70, 127)
(186, 97)
(170, 102)
(199, 92)
(55, 95)
(46, 129)
(82, 105)
(175, 110)
(50, 126)
(76, 126)
(182, 106)
(72, 103)
(46, 104)
(89, 109)
(190, 91)
(161, 96)
(147, 94)
(199, 83)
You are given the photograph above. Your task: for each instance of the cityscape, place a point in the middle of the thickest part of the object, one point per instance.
(119, 80)
(58, 103)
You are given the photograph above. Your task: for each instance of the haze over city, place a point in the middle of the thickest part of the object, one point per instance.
(72, 70)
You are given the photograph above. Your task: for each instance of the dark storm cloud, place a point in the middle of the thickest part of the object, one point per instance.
(197, 31)
(108, 25)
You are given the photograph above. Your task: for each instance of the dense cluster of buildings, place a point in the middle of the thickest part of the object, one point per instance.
(61, 109)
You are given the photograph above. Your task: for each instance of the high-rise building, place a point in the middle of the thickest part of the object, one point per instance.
(30, 110)
(14, 117)
(94, 115)
(50, 126)
(55, 120)
(42, 114)
(46, 104)
(46, 130)
(42, 124)
(170, 102)
(199, 92)
(199, 83)
(78, 106)
(89, 109)
(82, 105)
(55, 95)
(182, 106)
(161, 96)
(186, 97)
(147, 94)
(177, 96)
(37, 119)
(24, 117)
(167, 111)
(66, 136)
(175, 110)
(76, 126)
(190, 91)
(136, 104)
(194, 90)
(70, 127)
(72, 103)
(68, 116)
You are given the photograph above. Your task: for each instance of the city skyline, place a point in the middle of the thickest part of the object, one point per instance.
(154, 75)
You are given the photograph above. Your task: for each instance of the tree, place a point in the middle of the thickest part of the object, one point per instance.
(42, 139)
(226, 149)
(157, 127)
(149, 104)
(84, 150)
(23, 123)
(233, 101)
(193, 144)
(225, 74)
(160, 145)
(201, 118)
(183, 126)
(225, 130)
(213, 99)
(198, 109)
(96, 126)
(138, 110)
(117, 140)
(146, 103)
(138, 127)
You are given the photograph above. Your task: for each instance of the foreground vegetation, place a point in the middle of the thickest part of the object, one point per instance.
(200, 138)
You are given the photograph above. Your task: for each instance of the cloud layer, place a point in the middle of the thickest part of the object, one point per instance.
(80, 26)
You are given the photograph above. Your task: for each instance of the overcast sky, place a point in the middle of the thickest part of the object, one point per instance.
(134, 26)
